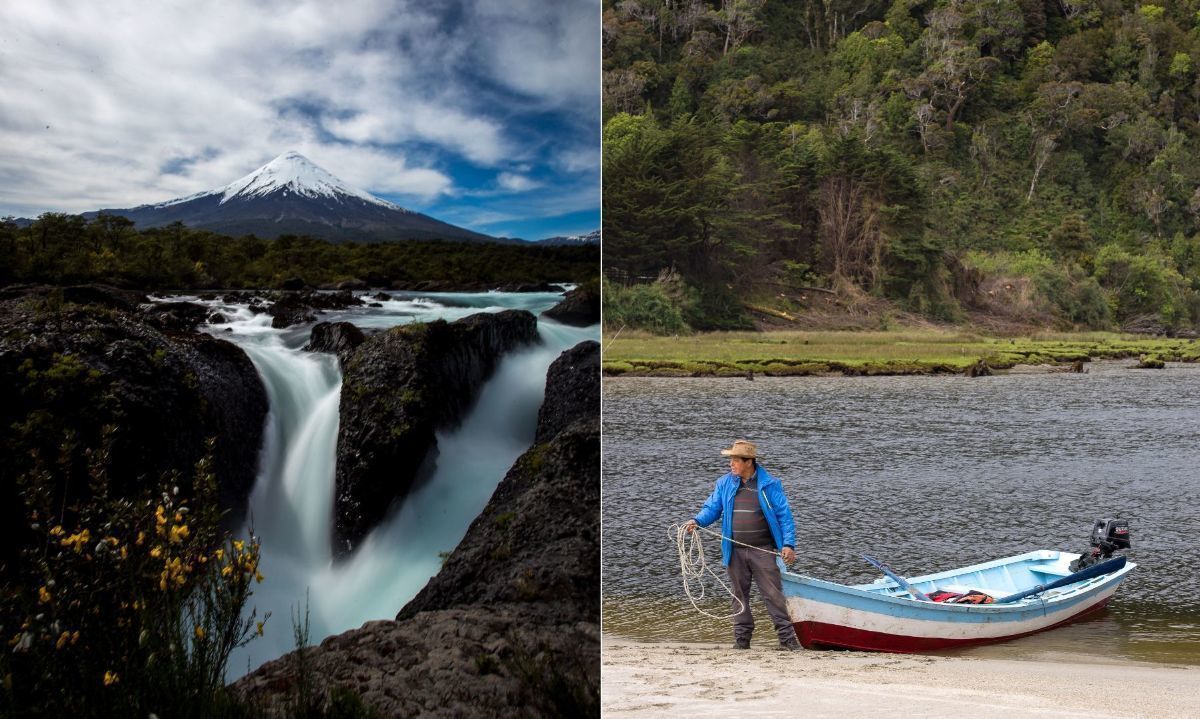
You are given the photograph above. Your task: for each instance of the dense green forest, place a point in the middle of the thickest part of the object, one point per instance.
(953, 157)
(59, 248)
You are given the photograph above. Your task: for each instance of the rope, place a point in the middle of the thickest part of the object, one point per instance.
(693, 566)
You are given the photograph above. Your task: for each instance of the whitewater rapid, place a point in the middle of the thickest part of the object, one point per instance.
(291, 505)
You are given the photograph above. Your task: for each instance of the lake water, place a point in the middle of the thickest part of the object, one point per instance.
(926, 473)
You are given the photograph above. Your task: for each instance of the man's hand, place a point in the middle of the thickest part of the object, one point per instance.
(689, 526)
(789, 555)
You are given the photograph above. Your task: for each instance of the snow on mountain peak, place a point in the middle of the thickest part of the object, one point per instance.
(293, 172)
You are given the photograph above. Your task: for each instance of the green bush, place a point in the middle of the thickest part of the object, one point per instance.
(644, 307)
(1142, 284)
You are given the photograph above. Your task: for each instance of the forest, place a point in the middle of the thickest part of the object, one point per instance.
(58, 248)
(956, 159)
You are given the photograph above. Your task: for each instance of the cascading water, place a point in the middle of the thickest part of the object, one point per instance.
(291, 506)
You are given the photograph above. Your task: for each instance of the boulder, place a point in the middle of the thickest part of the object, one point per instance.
(84, 377)
(336, 337)
(294, 308)
(293, 284)
(381, 296)
(176, 316)
(353, 284)
(398, 387)
(580, 307)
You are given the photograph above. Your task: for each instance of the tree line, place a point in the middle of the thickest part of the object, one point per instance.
(916, 150)
(61, 248)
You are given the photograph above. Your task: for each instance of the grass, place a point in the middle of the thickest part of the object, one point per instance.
(909, 351)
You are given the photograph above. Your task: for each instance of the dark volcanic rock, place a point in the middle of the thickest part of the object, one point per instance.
(80, 369)
(381, 296)
(294, 308)
(398, 387)
(217, 318)
(580, 308)
(510, 626)
(572, 389)
(176, 316)
(293, 284)
(354, 284)
(336, 337)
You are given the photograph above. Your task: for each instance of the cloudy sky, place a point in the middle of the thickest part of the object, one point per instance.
(482, 113)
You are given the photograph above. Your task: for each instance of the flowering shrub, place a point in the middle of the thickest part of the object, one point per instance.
(124, 607)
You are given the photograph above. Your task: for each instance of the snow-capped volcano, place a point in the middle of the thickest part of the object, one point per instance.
(292, 195)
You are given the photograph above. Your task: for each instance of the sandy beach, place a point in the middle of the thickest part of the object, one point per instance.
(705, 679)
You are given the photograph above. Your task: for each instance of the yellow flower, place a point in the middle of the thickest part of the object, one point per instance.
(258, 577)
(111, 678)
(238, 544)
(43, 595)
(156, 552)
(56, 532)
(226, 571)
(219, 554)
(162, 584)
(77, 541)
(124, 552)
(141, 538)
(179, 532)
(62, 639)
(260, 629)
(199, 632)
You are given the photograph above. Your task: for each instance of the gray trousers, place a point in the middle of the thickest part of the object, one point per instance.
(746, 564)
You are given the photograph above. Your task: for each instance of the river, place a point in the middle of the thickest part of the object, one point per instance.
(926, 473)
(291, 505)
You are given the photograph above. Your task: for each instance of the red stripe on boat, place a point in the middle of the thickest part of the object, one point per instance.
(820, 635)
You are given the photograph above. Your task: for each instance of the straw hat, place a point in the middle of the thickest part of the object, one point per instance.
(741, 448)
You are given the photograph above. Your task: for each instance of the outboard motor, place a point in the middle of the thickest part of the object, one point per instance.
(1108, 535)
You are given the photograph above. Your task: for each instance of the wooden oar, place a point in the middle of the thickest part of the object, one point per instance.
(1095, 570)
(916, 593)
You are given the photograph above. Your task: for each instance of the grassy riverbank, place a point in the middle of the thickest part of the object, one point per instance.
(924, 351)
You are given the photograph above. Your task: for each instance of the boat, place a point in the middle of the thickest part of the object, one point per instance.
(1031, 592)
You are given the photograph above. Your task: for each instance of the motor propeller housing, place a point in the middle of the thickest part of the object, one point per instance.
(1108, 535)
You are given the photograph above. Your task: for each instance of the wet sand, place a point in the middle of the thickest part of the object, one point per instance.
(703, 679)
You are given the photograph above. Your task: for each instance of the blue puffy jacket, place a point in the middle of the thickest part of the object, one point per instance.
(770, 497)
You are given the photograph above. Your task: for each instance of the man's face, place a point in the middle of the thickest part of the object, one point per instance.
(741, 467)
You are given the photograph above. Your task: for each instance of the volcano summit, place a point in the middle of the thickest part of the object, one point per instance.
(292, 195)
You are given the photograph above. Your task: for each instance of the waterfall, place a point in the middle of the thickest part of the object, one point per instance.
(291, 505)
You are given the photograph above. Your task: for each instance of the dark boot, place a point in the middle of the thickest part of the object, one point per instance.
(741, 643)
(791, 645)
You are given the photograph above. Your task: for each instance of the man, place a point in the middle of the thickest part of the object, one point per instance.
(754, 514)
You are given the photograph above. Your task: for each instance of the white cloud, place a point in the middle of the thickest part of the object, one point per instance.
(125, 102)
(516, 183)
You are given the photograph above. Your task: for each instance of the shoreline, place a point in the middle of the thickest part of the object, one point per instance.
(891, 353)
(644, 679)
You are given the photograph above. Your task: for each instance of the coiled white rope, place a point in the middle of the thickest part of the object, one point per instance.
(692, 566)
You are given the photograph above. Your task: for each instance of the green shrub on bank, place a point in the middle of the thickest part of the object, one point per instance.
(646, 307)
(1144, 284)
(123, 606)
(1066, 291)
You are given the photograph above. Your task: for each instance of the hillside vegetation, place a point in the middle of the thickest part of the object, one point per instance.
(987, 161)
(58, 248)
